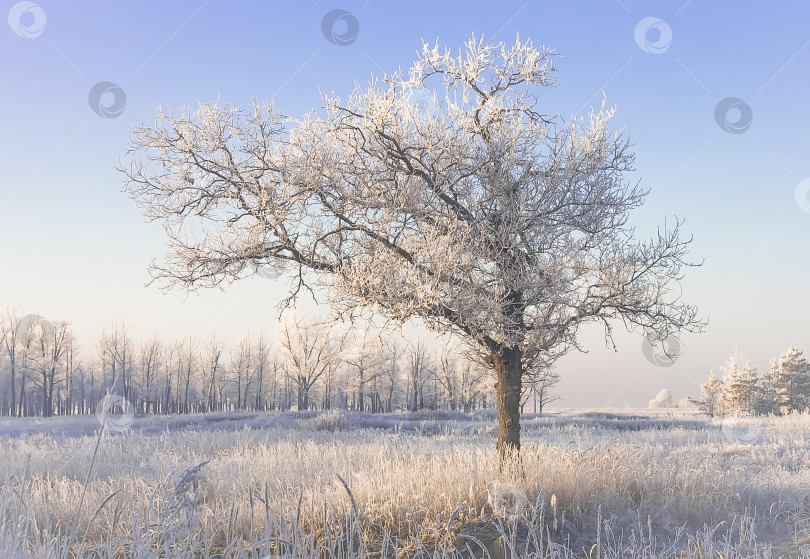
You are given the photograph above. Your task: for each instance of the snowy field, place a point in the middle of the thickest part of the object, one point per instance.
(601, 483)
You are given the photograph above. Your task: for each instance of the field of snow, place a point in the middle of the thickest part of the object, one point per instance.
(600, 483)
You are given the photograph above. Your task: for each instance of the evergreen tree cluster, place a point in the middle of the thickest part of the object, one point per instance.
(783, 389)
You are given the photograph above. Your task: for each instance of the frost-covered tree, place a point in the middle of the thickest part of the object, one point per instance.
(420, 371)
(443, 194)
(311, 354)
(537, 387)
(739, 387)
(391, 382)
(10, 337)
(792, 381)
(47, 348)
(241, 370)
(116, 354)
(662, 400)
(149, 360)
(461, 379)
(211, 368)
(265, 372)
(189, 373)
(365, 359)
(710, 392)
(764, 400)
(744, 386)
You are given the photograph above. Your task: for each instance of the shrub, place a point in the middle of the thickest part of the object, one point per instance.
(332, 420)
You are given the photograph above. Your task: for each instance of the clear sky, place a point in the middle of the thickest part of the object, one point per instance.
(74, 247)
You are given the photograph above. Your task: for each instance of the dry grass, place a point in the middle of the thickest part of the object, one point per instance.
(210, 488)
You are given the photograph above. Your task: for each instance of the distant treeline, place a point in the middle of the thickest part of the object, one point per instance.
(307, 366)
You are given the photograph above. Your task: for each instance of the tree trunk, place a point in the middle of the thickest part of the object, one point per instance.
(415, 406)
(44, 392)
(508, 370)
(361, 402)
(49, 398)
(303, 394)
(13, 388)
(21, 410)
(259, 383)
(542, 401)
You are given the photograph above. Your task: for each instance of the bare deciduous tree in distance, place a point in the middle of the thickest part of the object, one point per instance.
(9, 336)
(443, 195)
(310, 353)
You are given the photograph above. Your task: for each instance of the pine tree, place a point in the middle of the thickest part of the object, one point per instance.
(710, 392)
(731, 399)
(749, 379)
(792, 381)
(765, 391)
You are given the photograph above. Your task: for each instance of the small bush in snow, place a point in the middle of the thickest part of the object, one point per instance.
(486, 414)
(330, 421)
(662, 400)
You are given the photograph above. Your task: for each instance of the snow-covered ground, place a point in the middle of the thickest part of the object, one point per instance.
(242, 485)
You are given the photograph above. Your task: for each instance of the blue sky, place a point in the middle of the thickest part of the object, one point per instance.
(75, 247)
